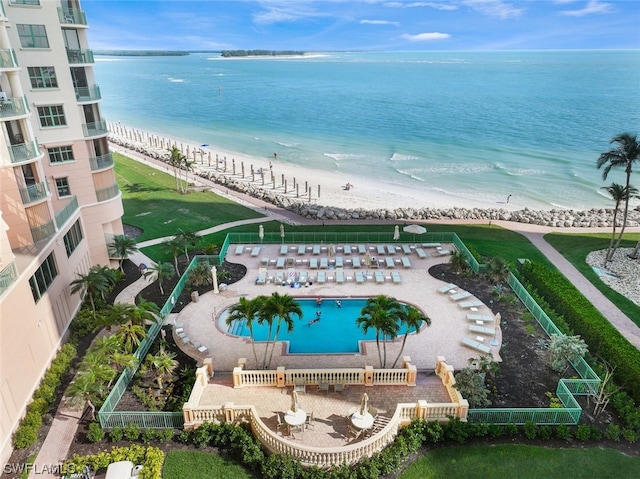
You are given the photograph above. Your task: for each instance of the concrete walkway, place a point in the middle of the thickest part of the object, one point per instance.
(56, 446)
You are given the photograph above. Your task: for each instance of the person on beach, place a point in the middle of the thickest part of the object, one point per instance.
(271, 166)
(275, 155)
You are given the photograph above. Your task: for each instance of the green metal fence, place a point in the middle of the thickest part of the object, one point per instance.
(328, 237)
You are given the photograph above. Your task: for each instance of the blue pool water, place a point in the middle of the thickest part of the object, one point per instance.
(336, 332)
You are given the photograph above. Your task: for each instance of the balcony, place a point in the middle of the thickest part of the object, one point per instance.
(88, 93)
(8, 276)
(29, 3)
(24, 152)
(67, 212)
(43, 232)
(15, 106)
(36, 192)
(107, 193)
(101, 162)
(96, 128)
(80, 56)
(72, 16)
(8, 58)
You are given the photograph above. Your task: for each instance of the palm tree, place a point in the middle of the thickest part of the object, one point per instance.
(118, 314)
(282, 307)
(96, 283)
(122, 247)
(189, 239)
(145, 312)
(458, 262)
(174, 246)
(131, 336)
(164, 363)
(247, 310)
(380, 313)
(412, 318)
(619, 194)
(498, 270)
(176, 158)
(160, 272)
(186, 166)
(623, 156)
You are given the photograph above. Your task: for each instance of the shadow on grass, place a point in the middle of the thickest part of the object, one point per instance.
(139, 188)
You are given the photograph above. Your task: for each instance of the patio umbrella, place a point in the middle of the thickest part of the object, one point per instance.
(282, 232)
(261, 233)
(415, 229)
(294, 401)
(364, 404)
(367, 259)
(332, 250)
(396, 233)
(214, 279)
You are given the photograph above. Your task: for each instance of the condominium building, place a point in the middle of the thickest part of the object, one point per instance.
(59, 201)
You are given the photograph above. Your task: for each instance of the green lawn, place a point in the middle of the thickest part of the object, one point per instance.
(198, 464)
(152, 203)
(522, 462)
(576, 247)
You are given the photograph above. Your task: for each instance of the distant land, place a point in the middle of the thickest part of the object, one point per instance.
(140, 53)
(259, 53)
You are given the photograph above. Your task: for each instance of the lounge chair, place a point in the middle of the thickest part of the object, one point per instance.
(290, 261)
(313, 263)
(460, 296)
(303, 277)
(446, 288)
(324, 263)
(264, 261)
(280, 263)
(480, 317)
(356, 262)
(301, 249)
(283, 249)
(379, 275)
(262, 277)
(477, 345)
(421, 254)
(347, 249)
(339, 276)
(390, 263)
(391, 249)
(395, 277)
(239, 249)
(322, 277)
(431, 245)
(482, 330)
(316, 249)
(406, 249)
(362, 249)
(444, 252)
(299, 386)
(339, 262)
(470, 304)
(380, 249)
(255, 251)
(279, 277)
(359, 277)
(405, 262)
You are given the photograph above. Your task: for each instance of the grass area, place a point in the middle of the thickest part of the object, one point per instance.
(190, 464)
(523, 462)
(576, 247)
(152, 203)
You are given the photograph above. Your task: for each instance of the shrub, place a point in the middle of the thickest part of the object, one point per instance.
(148, 435)
(164, 435)
(613, 432)
(511, 430)
(131, 432)
(116, 434)
(530, 430)
(583, 432)
(630, 435)
(563, 431)
(25, 436)
(96, 433)
(151, 458)
(456, 430)
(545, 432)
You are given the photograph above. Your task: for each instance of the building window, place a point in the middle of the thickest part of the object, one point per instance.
(43, 277)
(60, 154)
(33, 36)
(62, 185)
(72, 238)
(52, 115)
(43, 77)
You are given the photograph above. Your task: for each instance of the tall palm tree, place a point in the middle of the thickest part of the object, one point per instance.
(380, 313)
(282, 308)
(160, 272)
(176, 158)
(412, 318)
(186, 166)
(95, 283)
(189, 239)
(618, 193)
(624, 155)
(174, 246)
(122, 247)
(247, 310)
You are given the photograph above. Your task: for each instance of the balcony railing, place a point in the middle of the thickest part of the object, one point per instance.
(13, 107)
(72, 16)
(107, 193)
(67, 212)
(80, 56)
(43, 232)
(8, 58)
(8, 276)
(34, 192)
(100, 162)
(31, 3)
(88, 93)
(94, 129)
(24, 151)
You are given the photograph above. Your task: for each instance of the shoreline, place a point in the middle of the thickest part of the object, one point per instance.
(322, 195)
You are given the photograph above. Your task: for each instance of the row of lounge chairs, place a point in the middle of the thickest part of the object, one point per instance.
(380, 250)
(338, 275)
(337, 262)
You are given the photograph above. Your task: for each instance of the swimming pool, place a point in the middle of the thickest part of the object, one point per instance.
(335, 332)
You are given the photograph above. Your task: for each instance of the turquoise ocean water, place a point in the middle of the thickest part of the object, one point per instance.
(475, 124)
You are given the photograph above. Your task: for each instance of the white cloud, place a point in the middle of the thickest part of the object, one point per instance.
(494, 8)
(436, 5)
(379, 22)
(426, 37)
(592, 7)
(287, 11)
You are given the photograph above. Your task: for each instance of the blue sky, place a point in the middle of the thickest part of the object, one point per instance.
(311, 25)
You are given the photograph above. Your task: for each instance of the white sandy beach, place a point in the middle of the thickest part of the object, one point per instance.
(365, 193)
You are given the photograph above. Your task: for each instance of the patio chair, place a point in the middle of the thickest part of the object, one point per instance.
(324, 263)
(352, 431)
(379, 277)
(421, 254)
(280, 263)
(283, 249)
(339, 276)
(323, 386)
(316, 249)
(339, 387)
(373, 411)
(359, 277)
(362, 249)
(239, 249)
(309, 422)
(281, 423)
(313, 263)
(301, 249)
(391, 249)
(395, 277)
(389, 263)
(405, 262)
(339, 262)
(356, 262)
(299, 386)
(347, 249)
(406, 249)
(322, 277)
(380, 249)
(255, 251)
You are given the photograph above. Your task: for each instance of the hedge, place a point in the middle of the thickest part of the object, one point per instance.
(151, 458)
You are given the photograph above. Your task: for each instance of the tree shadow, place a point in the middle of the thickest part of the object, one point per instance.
(139, 187)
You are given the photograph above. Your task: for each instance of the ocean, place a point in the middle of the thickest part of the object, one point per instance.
(475, 125)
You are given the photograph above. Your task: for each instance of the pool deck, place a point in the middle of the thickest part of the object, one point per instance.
(449, 323)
